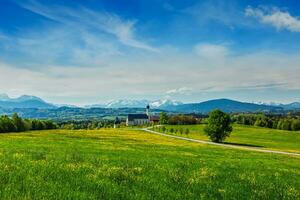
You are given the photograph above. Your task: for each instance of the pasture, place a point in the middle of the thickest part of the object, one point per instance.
(249, 136)
(132, 164)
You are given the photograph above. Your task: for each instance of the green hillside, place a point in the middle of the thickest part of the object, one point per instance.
(251, 136)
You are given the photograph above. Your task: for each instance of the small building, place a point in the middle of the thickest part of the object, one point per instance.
(154, 119)
(137, 119)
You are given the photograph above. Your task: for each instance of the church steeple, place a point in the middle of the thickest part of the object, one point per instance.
(148, 110)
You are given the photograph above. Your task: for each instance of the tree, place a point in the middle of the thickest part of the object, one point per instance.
(171, 130)
(187, 131)
(7, 125)
(219, 126)
(181, 131)
(163, 118)
(295, 125)
(286, 125)
(18, 122)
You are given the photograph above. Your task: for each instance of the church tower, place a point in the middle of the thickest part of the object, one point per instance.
(148, 110)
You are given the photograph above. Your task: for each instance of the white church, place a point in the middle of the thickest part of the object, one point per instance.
(141, 119)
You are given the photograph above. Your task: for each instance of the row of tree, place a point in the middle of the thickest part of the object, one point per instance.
(17, 124)
(290, 123)
(178, 119)
(171, 130)
(86, 124)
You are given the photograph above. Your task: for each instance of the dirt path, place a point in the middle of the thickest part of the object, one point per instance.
(223, 145)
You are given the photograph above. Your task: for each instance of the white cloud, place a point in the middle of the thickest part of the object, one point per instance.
(179, 91)
(83, 18)
(78, 85)
(211, 51)
(275, 17)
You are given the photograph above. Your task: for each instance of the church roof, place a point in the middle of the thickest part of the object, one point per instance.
(137, 116)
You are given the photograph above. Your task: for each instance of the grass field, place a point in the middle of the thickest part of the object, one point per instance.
(250, 136)
(131, 164)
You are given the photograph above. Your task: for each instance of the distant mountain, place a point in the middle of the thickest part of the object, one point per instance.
(226, 105)
(295, 105)
(161, 104)
(24, 101)
(289, 106)
(4, 97)
(27, 98)
(126, 103)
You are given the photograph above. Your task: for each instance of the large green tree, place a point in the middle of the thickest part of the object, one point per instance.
(18, 122)
(163, 118)
(219, 126)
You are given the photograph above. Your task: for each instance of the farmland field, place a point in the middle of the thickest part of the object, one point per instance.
(250, 136)
(131, 164)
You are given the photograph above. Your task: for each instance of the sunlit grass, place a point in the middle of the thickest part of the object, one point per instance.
(131, 164)
(249, 136)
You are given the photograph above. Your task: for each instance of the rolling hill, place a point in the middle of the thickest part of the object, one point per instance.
(226, 105)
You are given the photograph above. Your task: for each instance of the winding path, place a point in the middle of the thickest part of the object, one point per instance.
(219, 144)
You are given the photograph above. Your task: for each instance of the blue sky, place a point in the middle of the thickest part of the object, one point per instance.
(90, 51)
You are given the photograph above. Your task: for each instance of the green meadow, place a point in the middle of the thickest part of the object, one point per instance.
(249, 136)
(132, 164)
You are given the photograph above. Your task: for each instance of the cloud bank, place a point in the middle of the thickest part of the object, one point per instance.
(275, 17)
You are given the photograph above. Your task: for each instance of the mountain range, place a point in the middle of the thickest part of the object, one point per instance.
(126, 103)
(24, 101)
(226, 105)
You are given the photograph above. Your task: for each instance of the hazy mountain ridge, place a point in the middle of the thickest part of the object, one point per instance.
(226, 105)
(294, 105)
(24, 101)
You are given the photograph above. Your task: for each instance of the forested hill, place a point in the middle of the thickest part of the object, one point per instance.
(226, 105)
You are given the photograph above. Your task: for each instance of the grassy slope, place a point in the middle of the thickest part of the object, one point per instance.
(128, 164)
(252, 136)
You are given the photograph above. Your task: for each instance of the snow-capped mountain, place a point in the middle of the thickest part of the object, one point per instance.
(289, 106)
(128, 103)
(164, 103)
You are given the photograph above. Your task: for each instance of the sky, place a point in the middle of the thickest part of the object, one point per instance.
(92, 51)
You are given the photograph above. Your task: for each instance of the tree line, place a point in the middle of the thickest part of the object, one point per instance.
(86, 124)
(17, 124)
(178, 119)
(290, 123)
